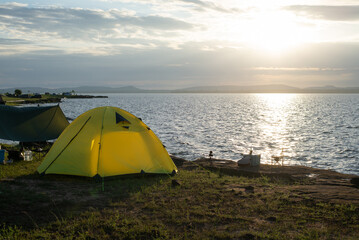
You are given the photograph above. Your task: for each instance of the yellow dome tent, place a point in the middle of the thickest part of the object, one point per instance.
(107, 141)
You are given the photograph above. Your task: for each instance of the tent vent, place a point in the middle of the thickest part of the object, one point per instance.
(119, 118)
(127, 127)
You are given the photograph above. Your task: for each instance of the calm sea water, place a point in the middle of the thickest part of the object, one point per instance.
(318, 130)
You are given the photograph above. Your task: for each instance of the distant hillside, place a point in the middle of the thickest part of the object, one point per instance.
(240, 89)
(199, 89)
(331, 89)
(83, 89)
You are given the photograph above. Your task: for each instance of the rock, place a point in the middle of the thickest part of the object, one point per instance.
(249, 189)
(355, 181)
(271, 219)
(248, 236)
(175, 183)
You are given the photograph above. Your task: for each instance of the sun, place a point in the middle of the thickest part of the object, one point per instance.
(271, 31)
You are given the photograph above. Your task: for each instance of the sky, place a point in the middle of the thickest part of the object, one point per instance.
(170, 44)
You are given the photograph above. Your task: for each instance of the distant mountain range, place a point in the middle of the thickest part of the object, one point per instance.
(199, 89)
(267, 89)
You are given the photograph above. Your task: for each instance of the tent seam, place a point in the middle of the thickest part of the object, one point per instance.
(100, 143)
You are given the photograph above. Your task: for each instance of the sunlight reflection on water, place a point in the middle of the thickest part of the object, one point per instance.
(274, 123)
(320, 130)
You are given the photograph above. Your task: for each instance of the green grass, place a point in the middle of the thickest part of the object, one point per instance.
(14, 101)
(20, 168)
(206, 205)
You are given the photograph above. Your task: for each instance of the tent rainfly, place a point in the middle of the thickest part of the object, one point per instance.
(31, 124)
(107, 141)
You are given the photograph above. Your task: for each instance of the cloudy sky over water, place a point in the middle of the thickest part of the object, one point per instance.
(167, 44)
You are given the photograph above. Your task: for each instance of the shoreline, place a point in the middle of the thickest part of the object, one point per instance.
(230, 165)
(14, 101)
(322, 184)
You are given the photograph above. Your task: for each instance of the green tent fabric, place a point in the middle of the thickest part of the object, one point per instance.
(31, 124)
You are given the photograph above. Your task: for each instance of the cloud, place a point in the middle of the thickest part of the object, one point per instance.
(52, 23)
(205, 5)
(315, 64)
(148, 46)
(197, 5)
(332, 13)
(12, 41)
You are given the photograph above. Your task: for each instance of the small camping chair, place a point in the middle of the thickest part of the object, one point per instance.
(40, 152)
(278, 159)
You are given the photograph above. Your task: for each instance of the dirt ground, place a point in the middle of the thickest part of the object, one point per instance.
(322, 185)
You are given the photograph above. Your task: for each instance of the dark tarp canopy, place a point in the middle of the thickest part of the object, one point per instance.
(31, 124)
(2, 100)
